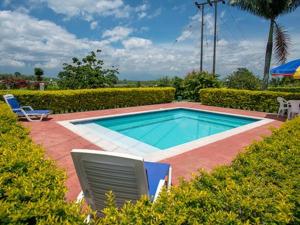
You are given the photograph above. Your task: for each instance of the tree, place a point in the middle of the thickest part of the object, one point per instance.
(195, 81)
(17, 74)
(38, 72)
(271, 10)
(87, 73)
(242, 78)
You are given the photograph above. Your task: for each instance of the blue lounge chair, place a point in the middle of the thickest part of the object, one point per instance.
(127, 176)
(25, 111)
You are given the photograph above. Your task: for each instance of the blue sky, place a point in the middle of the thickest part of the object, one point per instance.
(145, 39)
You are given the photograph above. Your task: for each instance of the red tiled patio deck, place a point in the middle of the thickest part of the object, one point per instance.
(58, 141)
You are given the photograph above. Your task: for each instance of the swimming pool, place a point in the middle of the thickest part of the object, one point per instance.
(161, 133)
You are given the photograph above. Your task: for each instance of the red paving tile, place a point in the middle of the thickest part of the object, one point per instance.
(59, 141)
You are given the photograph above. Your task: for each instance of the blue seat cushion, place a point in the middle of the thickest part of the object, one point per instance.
(13, 103)
(33, 112)
(155, 172)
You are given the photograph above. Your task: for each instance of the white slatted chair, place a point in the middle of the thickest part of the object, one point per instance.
(127, 176)
(283, 106)
(294, 108)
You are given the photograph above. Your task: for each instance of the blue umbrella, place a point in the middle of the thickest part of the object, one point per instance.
(290, 69)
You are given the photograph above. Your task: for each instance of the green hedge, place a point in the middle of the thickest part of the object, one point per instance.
(32, 189)
(260, 187)
(265, 101)
(92, 99)
(285, 89)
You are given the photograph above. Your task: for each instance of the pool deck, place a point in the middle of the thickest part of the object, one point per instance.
(58, 141)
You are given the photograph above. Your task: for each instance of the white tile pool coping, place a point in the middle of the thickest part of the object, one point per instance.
(110, 140)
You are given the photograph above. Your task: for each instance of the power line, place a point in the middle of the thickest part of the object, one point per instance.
(201, 6)
(237, 25)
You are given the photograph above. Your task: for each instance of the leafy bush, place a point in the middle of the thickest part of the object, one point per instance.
(195, 81)
(260, 187)
(265, 101)
(175, 82)
(285, 89)
(32, 189)
(92, 99)
(242, 78)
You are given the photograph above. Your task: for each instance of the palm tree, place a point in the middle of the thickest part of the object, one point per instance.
(271, 10)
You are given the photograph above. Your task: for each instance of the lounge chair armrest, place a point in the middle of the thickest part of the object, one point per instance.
(169, 178)
(160, 186)
(27, 107)
(80, 197)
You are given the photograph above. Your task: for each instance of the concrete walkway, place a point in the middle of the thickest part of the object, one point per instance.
(59, 141)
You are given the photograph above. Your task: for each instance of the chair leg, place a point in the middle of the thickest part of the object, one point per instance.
(42, 116)
(279, 112)
(29, 119)
(290, 116)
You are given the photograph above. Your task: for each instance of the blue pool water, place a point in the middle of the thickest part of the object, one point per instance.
(165, 129)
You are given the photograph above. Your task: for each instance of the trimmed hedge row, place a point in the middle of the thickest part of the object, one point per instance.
(92, 99)
(265, 101)
(32, 189)
(260, 187)
(285, 89)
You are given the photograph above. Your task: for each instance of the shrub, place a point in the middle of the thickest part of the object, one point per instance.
(92, 99)
(260, 187)
(242, 78)
(195, 81)
(285, 89)
(175, 82)
(32, 189)
(265, 101)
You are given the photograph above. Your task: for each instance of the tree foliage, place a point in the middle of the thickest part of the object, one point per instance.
(242, 78)
(195, 81)
(175, 82)
(87, 73)
(38, 72)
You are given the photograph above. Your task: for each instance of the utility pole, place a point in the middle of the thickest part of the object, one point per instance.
(201, 6)
(215, 38)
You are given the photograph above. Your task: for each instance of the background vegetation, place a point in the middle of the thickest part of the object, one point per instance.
(243, 78)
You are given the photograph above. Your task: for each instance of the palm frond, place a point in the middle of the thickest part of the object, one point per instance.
(291, 5)
(269, 9)
(282, 41)
(257, 7)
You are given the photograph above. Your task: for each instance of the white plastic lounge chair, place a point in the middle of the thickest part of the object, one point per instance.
(294, 108)
(25, 111)
(127, 176)
(283, 106)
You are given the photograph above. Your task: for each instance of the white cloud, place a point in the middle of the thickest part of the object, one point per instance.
(184, 35)
(192, 30)
(141, 15)
(27, 42)
(86, 7)
(117, 33)
(136, 42)
(93, 25)
(11, 62)
(6, 3)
